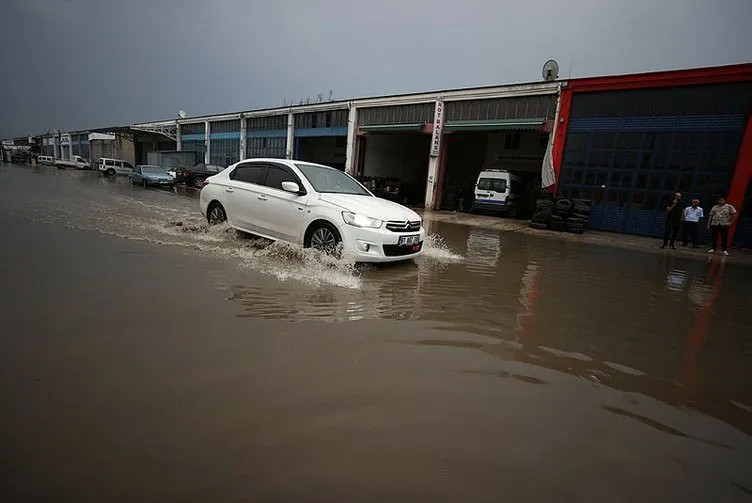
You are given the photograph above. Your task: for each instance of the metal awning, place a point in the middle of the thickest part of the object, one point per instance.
(412, 126)
(124, 131)
(167, 130)
(496, 125)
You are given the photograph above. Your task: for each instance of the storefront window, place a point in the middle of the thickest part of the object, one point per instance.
(629, 149)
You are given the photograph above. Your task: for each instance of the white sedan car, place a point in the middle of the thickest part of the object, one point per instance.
(313, 206)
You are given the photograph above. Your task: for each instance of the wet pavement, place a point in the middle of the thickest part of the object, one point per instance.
(148, 357)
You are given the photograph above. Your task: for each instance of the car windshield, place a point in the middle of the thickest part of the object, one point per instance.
(325, 179)
(494, 184)
(152, 170)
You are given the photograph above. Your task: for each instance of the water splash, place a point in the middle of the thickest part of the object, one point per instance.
(434, 248)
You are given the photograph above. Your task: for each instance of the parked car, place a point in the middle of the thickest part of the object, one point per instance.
(314, 206)
(168, 159)
(75, 161)
(388, 187)
(195, 176)
(111, 167)
(19, 155)
(46, 159)
(145, 174)
(498, 190)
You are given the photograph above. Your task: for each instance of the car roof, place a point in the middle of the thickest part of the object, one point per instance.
(289, 162)
(267, 159)
(307, 163)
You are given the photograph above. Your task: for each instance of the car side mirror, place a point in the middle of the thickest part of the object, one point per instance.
(292, 187)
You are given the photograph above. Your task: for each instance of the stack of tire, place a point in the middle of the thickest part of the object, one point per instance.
(559, 215)
(579, 216)
(563, 215)
(542, 214)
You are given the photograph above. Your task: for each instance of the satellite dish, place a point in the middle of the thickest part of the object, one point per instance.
(182, 114)
(550, 70)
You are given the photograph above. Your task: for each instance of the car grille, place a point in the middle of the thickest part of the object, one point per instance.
(398, 251)
(403, 225)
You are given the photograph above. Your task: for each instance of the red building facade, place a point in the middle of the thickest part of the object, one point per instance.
(626, 142)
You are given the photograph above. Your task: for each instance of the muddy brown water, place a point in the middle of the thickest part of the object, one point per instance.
(147, 357)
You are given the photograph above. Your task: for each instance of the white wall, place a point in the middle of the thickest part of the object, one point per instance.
(527, 158)
(126, 149)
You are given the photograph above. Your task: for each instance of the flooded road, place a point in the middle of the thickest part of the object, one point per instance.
(148, 357)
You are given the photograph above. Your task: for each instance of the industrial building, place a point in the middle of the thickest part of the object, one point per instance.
(623, 142)
(393, 136)
(130, 143)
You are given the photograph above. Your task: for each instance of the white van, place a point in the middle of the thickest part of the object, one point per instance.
(498, 190)
(76, 161)
(112, 167)
(45, 159)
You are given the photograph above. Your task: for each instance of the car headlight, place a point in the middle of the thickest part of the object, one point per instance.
(358, 220)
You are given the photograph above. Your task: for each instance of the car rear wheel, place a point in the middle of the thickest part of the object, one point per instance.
(216, 214)
(110, 172)
(197, 182)
(324, 238)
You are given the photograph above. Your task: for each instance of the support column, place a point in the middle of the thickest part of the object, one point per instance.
(352, 129)
(563, 108)
(433, 170)
(741, 177)
(178, 141)
(207, 143)
(440, 175)
(290, 135)
(242, 138)
(435, 155)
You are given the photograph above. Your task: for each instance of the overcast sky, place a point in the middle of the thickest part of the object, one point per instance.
(77, 64)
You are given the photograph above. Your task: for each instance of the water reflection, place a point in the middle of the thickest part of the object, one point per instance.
(597, 313)
(529, 291)
(483, 251)
(661, 325)
(676, 280)
(698, 333)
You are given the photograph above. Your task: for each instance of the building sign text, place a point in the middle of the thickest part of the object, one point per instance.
(438, 126)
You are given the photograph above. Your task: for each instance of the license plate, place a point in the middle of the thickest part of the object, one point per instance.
(409, 240)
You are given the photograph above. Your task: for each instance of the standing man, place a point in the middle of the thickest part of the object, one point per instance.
(721, 217)
(673, 220)
(691, 218)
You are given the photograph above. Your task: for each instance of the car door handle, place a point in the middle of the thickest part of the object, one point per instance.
(228, 189)
(262, 198)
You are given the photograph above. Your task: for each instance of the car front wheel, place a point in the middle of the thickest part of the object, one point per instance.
(197, 182)
(216, 214)
(324, 238)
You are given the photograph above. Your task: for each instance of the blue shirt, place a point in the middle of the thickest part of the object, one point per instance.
(693, 214)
